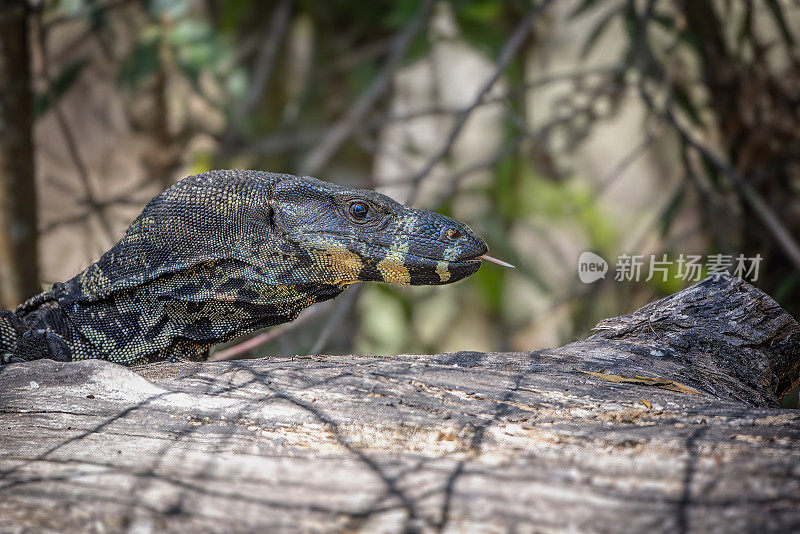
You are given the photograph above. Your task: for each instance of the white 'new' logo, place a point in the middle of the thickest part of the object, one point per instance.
(591, 267)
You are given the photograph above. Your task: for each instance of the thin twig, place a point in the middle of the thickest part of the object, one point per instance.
(90, 31)
(510, 49)
(711, 211)
(288, 141)
(622, 165)
(69, 138)
(237, 351)
(285, 142)
(265, 59)
(514, 91)
(123, 198)
(342, 131)
(342, 308)
(751, 197)
(370, 50)
(527, 135)
(96, 10)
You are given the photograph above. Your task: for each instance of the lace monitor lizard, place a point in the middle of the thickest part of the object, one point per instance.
(223, 253)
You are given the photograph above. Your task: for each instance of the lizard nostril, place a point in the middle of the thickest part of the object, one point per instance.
(453, 234)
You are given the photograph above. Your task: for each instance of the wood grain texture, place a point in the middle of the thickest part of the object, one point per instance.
(449, 442)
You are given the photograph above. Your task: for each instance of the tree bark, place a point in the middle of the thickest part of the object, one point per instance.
(19, 275)
(459, 442)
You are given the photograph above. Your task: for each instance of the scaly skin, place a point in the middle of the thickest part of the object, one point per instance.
(224, 253)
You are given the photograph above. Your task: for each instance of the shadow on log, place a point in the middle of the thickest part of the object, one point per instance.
(663, 420)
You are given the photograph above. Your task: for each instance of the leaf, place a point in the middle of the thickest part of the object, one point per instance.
(668, 23)
(486, 37)
(647, 403)
(140, 63)
(401, 13)
(643, 381)
(202, 163)
(189, 32)
(683, 100)
(236, 83)
(68, 76)
(419, 48)
(780, 20)
(197, 49)
(485, 11)
(192, 71)
(171, 8)
(232, 13)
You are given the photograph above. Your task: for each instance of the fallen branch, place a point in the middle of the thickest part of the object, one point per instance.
(442, 442)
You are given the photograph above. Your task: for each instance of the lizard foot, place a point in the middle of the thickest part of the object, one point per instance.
(40, 344)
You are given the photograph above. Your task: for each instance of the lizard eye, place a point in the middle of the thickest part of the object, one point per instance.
(358, 211)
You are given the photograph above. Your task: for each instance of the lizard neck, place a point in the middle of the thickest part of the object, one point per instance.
(183, 314)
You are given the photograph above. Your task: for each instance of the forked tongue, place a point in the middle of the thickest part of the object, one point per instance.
(495, 260)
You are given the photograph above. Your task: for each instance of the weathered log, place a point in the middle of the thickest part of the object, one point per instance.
(452, 442)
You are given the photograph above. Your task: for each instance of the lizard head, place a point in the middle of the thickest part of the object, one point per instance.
(355, 235)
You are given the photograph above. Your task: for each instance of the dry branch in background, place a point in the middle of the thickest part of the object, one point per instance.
(343, 129)
(95, 207)
(509, 51)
